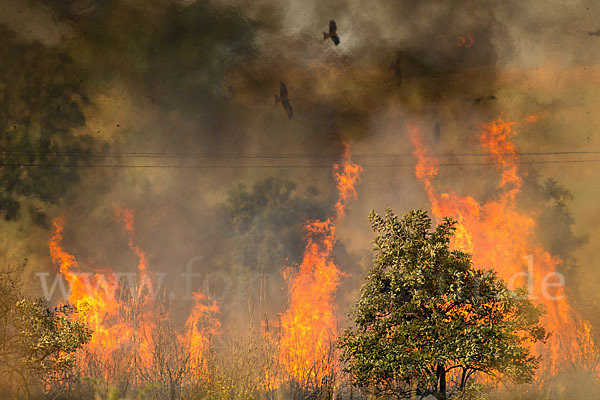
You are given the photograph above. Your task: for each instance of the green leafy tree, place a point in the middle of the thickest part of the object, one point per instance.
(267, 222)
(37, 342)
(427, 322)
(41, 118)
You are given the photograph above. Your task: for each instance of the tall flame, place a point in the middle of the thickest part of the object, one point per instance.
(201, 324)
(94, 295)
(124, 322)
(309, 326)
(128, 217)
(502, 238)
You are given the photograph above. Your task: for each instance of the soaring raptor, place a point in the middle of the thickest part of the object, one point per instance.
(332, 33)
(285, 101)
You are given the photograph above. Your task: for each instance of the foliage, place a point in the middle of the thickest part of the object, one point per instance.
(41, 98)
(427, 322)
(37, 342)
(179, 57)
(554, 223)
(267, 222)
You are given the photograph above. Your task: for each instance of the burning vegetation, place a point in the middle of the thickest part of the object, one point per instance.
(170, 233)
(309, 325)
(497, 234)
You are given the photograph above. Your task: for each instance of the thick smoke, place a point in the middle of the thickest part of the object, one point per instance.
(162, 76)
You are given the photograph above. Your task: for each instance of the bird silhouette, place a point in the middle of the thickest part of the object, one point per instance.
(332, 33)
(284, 100)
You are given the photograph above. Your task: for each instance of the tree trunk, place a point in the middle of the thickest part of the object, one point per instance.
(441, 375)
(463, 379)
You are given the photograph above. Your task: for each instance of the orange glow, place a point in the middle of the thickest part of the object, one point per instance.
(309, 326)
(128, 218)
(465, 41)
(94, 296)
(346, 176)
(201, 324)
(124, 321)
(501, 238)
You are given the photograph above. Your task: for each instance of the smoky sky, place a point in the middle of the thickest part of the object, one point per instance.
(81, 79)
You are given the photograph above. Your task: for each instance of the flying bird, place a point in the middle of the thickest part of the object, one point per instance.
(482, 99)
(285, 101)
(332, 33)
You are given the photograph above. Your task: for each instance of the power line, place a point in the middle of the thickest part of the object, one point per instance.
(235, 166)
(265, 155)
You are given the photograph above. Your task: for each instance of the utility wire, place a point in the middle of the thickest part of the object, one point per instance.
(201, 166)
(260, 156)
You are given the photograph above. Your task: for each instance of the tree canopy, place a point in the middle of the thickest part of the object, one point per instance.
(41, 120)
(37, 342)
(427, 321)
(267, 222)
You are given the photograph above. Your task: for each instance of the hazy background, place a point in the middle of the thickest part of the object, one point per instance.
(83, 77)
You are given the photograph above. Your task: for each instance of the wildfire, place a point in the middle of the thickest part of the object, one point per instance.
(128, 218)
(200, 325)
(346, 176)
(124, 322)
(309, 326)
(94, 296)
(500, 237)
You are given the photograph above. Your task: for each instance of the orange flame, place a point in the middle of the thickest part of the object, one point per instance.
(346, 176)
(502, 238)
(128, 218)
(123, 326)
(93, 295)
(309, 326)
(201, 324)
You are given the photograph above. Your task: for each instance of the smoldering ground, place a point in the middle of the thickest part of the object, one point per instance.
(91, 83)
